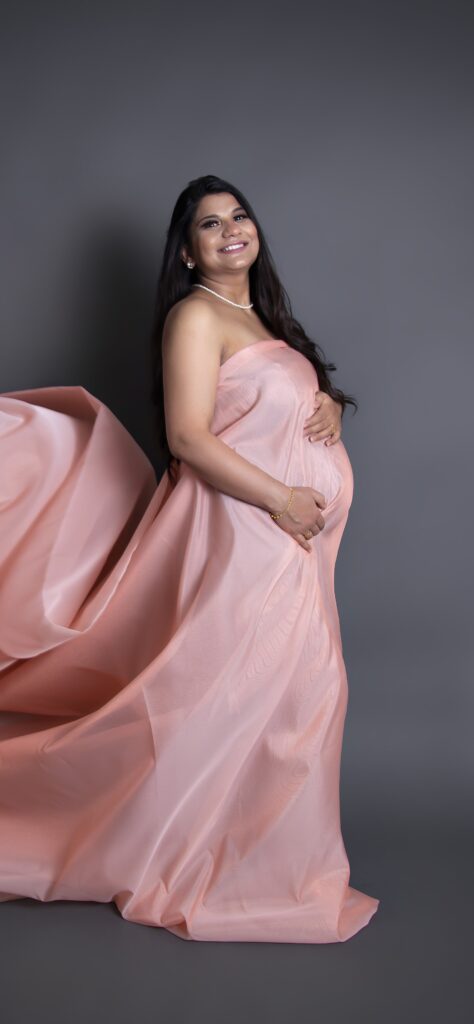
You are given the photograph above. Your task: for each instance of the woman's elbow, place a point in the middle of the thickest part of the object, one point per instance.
(183, 444)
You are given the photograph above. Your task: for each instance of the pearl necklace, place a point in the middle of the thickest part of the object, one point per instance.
(238, 304)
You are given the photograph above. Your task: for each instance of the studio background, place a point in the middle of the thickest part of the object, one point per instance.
(349, 127)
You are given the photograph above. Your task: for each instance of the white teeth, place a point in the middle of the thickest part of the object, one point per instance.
(229, 248)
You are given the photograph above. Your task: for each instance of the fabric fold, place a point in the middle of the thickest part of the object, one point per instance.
(173, 685)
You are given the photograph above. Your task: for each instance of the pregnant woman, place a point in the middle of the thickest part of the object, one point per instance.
(172, 677)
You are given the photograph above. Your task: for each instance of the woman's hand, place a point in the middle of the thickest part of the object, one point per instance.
(325, 421)
(303, 521)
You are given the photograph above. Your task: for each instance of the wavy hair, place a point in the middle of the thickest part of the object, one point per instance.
(270, 300)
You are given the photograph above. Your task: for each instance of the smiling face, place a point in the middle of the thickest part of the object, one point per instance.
(223, 239)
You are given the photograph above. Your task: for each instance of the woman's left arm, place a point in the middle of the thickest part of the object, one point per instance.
(325, 421)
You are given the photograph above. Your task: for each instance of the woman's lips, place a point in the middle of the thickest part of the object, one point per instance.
(241, 245)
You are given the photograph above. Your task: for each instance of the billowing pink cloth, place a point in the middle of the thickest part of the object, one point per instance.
(173, 670)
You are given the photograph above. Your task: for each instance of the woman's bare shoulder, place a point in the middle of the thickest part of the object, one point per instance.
(192, 326)
(192, 313)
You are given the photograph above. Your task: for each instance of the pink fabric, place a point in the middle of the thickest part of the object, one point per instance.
(173, 669)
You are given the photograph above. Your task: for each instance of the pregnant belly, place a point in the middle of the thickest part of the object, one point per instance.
(328, 469)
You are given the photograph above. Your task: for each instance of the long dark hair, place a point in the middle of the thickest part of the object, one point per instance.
(270, 300)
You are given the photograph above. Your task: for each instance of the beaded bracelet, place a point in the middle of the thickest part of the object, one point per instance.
(279, 514)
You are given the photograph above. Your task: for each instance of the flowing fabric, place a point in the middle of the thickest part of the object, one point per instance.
(172, 673)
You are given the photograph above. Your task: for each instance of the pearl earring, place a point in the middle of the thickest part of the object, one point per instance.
(189, 264)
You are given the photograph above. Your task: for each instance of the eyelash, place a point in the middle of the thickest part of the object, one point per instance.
(209, 222)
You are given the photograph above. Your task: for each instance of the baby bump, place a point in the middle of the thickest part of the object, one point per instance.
(328, 469)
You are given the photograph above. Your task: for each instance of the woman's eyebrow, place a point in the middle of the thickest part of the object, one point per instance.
(208, 215)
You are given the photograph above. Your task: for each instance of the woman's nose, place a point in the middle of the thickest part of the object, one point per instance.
(231, 229)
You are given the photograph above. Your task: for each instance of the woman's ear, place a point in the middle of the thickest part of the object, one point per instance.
(188, 261)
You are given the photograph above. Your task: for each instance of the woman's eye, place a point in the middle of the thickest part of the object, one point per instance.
(209, 223)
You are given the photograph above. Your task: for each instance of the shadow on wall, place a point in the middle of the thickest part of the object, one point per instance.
(107, 299)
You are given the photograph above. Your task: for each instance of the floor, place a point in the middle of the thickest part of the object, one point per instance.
(81, 962)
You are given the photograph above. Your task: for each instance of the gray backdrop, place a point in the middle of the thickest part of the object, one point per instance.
(349, 127)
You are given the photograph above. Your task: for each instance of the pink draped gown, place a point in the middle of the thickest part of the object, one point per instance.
(172, 673)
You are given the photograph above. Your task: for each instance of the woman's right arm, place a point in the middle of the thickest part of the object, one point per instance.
(191, 360)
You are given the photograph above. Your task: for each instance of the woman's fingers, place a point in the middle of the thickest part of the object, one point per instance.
(329, 434)
(325, 422)
(302, 540)
(332, 440)
(320, 431)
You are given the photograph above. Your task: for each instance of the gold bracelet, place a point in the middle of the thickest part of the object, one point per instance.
(279, 514)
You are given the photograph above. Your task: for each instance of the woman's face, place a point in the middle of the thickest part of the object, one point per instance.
(219, 222)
